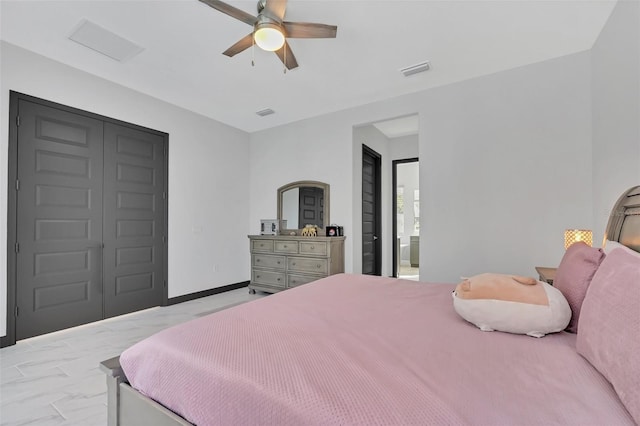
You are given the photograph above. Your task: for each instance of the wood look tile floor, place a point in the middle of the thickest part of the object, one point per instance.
(55, 379)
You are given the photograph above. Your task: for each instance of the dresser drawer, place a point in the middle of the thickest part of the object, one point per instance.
(286, 247)
(309, 247)
(271, 278)
(307, 264)
(267, 261)
(264, 246)
(296, 280)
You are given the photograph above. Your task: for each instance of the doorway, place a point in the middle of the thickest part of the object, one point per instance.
(406, 218)
(371, 212)
(87, 218)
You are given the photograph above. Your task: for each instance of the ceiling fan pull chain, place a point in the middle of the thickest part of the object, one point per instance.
(284, 64)
(253, 53)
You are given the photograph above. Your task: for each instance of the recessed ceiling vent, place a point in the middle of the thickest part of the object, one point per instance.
(264, 112)
(415, 69)
(104, 41)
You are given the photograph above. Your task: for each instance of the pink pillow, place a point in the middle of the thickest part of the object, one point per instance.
(573, 276)
(609, 330)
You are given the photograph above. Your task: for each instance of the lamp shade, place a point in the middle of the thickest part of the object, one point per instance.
(268, 37)
(575, 235)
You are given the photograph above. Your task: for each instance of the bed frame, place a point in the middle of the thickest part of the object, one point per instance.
(128, 407)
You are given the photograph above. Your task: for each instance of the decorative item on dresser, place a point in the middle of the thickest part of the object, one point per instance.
(279, 262)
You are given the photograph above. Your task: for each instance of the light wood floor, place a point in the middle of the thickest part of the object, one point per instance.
(55, 379)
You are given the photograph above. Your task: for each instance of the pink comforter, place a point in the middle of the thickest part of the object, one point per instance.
(353, 349)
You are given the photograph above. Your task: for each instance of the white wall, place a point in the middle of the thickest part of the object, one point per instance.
(615, 63)
(497, 167)
(208, 170)
(505, 168)
(404, 147)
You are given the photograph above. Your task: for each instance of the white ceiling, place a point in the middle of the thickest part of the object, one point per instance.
(399, 127)
(183, 40)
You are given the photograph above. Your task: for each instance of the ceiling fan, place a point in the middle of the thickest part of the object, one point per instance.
(270, 31)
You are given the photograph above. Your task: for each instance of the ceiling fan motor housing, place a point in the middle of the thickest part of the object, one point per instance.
(261, 5)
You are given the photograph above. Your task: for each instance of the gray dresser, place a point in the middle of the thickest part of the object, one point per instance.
(279, 262)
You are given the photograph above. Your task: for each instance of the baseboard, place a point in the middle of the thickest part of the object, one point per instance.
(6, 341)
(205, 293)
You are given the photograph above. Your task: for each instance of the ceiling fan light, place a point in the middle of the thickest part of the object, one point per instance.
(269, 38)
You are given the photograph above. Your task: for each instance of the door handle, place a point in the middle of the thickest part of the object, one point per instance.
(95, 245)
(375, 237)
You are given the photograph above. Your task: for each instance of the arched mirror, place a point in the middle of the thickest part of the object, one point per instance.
(303, 203)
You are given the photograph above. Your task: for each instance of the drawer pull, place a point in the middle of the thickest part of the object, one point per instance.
(313, 248)
(278, 279)
(261, 245)
(257, 260)
(319, 266)
(293, 263)
(285, 246)
(278, 262)
(257, 276)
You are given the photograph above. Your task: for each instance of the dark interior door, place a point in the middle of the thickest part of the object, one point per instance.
(311, 206)
(59, 222)
(371, 212)
(88, 218)
(134, 219)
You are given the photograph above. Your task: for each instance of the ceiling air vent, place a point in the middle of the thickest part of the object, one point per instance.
(104, 41)
(415, 69)
(264, 112)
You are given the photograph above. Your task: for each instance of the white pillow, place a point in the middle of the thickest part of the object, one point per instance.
(516, 317)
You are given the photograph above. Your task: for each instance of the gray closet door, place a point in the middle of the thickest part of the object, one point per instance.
(134, 219)
(59, 223)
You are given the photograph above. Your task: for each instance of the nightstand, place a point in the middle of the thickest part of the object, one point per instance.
(546, 274)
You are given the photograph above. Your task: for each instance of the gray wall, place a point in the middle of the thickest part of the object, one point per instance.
(615, 65)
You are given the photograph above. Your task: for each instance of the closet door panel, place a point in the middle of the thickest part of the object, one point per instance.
(59, 220)
(134, 219)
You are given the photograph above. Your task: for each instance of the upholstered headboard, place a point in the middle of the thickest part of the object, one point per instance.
(624, 222)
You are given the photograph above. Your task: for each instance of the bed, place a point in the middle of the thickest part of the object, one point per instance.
(386, 351)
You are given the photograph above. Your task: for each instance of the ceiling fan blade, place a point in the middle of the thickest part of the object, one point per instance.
(234, 12)
(242, 44)
(309, 30)
(276, 8)
(291, 59)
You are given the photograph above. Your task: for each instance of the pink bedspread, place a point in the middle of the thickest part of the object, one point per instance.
(361, 350)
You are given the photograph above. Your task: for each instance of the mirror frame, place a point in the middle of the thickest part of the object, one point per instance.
(305, 183)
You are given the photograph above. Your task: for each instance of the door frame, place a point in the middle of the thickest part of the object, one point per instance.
(394, 208)
(378, 208)
(12, 199)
